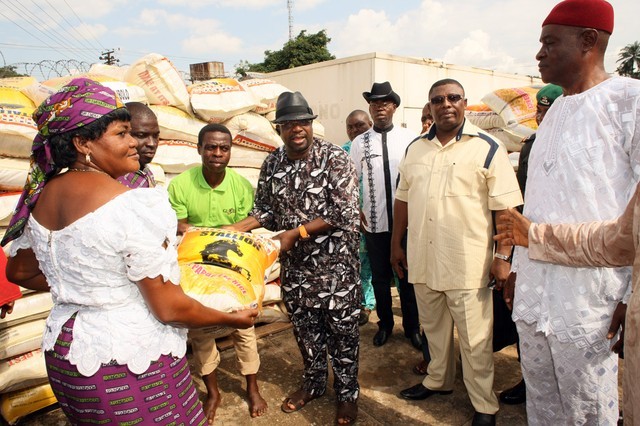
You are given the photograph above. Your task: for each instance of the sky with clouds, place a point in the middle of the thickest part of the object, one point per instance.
(498, 35)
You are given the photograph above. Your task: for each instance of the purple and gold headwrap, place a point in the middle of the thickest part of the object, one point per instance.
(80, 102)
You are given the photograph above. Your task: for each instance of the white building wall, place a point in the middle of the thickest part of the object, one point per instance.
(334, 88)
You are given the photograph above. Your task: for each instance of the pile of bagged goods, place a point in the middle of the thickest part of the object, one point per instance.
(245, 107)
(508, 115)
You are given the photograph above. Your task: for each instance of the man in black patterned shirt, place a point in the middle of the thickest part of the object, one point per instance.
(309, 189)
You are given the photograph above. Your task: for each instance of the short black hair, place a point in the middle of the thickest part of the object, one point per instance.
(213, 127)
(444, 82)
(64, 153)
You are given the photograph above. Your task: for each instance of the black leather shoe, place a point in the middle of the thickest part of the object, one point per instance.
(482, 419)
(419, 392)
(381, 337)
(515, 395)
(416, 340)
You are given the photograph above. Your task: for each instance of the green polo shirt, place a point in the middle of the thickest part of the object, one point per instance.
(192, 198)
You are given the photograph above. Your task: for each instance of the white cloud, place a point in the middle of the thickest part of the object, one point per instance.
(199, 35)
(476, 49)
(212, 44)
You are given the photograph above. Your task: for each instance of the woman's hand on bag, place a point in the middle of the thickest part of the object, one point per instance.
(243, 319)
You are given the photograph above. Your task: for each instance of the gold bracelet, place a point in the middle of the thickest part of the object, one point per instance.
(304, 235)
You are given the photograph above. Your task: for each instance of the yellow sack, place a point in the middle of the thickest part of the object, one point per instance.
(16, 405)
(225, 270)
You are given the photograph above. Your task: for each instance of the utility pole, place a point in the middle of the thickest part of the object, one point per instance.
(290, 9)
(108, 58)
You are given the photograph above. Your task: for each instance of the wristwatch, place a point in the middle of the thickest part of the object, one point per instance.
(502, 257)
(304, 235)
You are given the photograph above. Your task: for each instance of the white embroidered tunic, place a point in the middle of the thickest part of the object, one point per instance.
(92, 267)
(369, 166)
(584, 166)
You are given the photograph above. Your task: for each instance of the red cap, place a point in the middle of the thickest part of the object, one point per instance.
(597, 14)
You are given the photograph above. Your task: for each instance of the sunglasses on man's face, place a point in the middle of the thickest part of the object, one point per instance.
(294, 123)
(451, 97)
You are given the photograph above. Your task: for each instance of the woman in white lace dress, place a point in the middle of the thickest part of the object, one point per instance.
(114, 342)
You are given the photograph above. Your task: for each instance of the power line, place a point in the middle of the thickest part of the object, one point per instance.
(34, 21)
(88, 28)
(41, 47)
(33, 35)
(81, 37)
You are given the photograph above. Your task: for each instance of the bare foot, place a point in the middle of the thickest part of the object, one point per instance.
(210, 406)
(257, 404)
(213, 396)
(347, 412)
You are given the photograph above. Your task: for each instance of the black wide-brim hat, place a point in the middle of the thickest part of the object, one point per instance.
(381, 91)
(292, 106)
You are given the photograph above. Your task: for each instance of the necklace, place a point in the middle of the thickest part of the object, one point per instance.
(88, 170)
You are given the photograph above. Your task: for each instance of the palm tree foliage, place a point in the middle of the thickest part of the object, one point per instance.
(629, 59)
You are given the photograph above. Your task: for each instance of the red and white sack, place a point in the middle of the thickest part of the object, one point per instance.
(241, 156)
(21, 338)
(160, 80)
(177, 124)
(266, 93)
(254, 131)
(176, 156)
(219, 99)
(23, 371)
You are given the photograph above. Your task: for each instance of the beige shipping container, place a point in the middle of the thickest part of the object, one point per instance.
(334, 88)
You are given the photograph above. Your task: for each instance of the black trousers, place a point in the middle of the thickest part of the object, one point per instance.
(379, 251)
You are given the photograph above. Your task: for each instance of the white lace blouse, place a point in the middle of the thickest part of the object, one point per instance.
(92, 267)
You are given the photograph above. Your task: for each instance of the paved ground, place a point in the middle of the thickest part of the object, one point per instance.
(384, 372)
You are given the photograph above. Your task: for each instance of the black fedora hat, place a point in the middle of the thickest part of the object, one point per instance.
(292, 106)
(380, 91)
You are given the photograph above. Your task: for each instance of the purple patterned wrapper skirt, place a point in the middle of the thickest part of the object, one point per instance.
(164, 395)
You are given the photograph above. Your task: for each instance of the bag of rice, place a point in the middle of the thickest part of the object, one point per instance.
(219, 99)
(223, 269)
(17, 82)
(13, 173)
(265, 91)
(177, 124)
(517, 107)
(23, 371)
(254, 131)
(112, 71)
(31, 307)
(21, 338)
(18, 404)
(177, 156)
(241, 156)
(160, 80)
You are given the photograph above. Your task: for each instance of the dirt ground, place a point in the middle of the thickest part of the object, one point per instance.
(384, 371)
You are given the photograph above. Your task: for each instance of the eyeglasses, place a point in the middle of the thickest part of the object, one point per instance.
(293, 123)
(451, 97)
(383, 104)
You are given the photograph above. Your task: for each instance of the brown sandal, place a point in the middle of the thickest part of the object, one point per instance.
(298, 399)
(346, 411)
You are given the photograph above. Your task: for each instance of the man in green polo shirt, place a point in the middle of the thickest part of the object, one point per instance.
(213, 195)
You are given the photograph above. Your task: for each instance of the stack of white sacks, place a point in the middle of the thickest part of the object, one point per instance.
(181, 110)
(24, 387)
(507, 114)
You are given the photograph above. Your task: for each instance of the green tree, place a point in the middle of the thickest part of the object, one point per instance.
(629, 59)
(9, 71)
(302, 50)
